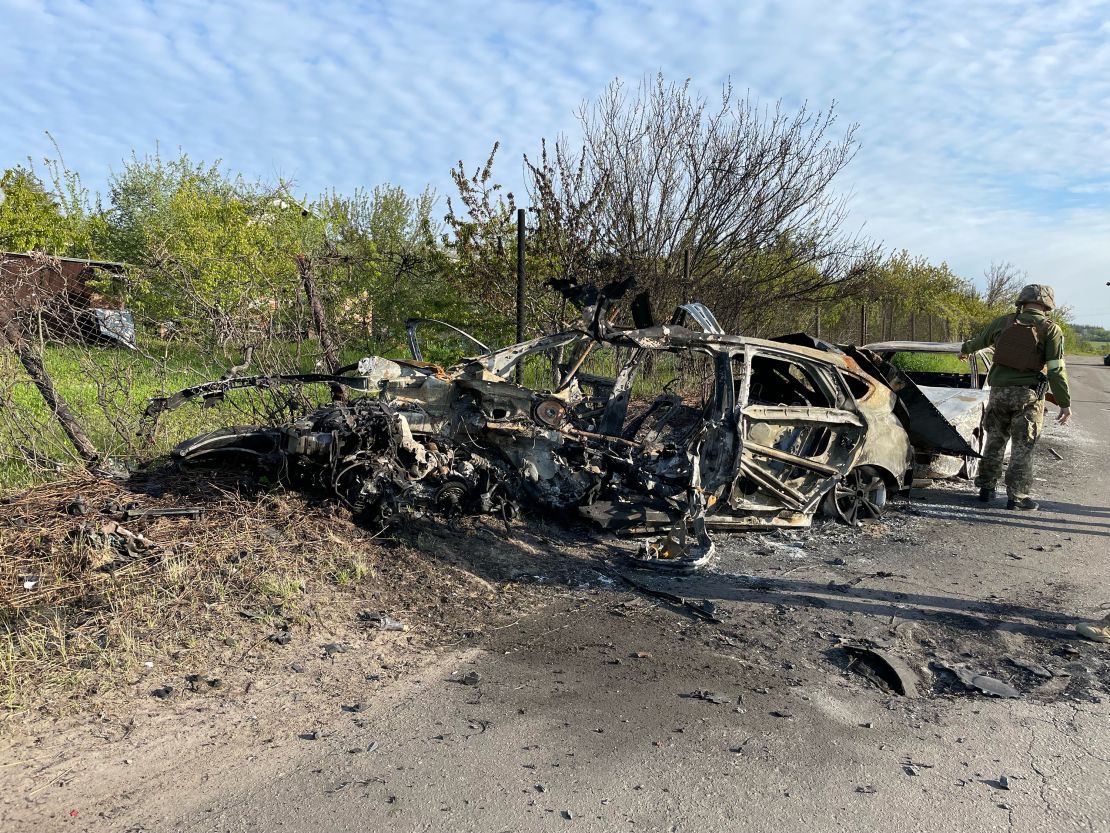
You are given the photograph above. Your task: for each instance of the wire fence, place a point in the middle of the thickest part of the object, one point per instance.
(78, 372)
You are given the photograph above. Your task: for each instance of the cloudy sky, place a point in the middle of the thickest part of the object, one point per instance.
(985, 125)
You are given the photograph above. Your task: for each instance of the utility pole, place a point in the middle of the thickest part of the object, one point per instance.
(685, 275)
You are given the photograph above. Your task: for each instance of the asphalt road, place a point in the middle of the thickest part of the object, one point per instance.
(615, 710)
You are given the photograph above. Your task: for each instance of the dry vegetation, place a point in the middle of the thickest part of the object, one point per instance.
(82, 611)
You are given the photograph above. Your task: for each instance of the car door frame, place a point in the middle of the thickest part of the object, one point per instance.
(846, 418)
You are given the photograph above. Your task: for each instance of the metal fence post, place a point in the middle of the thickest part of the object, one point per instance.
(519, 288)
(685, 275)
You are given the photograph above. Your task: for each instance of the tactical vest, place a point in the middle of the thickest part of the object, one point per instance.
(1021, 346)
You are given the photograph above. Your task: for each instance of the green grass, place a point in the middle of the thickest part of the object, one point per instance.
(930, 363)
(108, 389)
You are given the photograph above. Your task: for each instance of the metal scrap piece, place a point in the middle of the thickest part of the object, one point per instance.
(1032, 667)
(885, 670)
(700, 609)
(985, 684)
(382, 620)
(191, 512)
(708, 696)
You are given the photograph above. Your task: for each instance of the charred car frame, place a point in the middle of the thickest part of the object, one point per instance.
(769, 432)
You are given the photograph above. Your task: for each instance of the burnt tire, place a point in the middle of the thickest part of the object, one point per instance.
(859, 495)
(970, 468)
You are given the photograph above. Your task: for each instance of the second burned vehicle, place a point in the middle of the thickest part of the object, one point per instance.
(676, 427)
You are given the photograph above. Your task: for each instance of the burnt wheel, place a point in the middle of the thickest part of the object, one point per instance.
(860, 495)
(970, 468)
(971, 464)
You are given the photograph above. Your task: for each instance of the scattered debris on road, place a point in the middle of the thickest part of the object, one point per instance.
(708, 696)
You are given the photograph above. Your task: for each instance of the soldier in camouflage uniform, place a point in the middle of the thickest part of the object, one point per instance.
(1029, 357)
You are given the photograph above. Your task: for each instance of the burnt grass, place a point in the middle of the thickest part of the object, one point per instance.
(88, 598)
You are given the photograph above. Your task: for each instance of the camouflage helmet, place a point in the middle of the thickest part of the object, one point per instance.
(1037, 293)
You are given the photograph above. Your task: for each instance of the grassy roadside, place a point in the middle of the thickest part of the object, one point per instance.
(83, 602)
(86, 619)
(108, 389)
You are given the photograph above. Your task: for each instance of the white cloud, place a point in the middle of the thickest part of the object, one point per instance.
(984, 125)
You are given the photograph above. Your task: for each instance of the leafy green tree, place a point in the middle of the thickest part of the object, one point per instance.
(30, 219)
(482, 240)
(383, 263)
(36, 218)
(211, 251)
(221, 256)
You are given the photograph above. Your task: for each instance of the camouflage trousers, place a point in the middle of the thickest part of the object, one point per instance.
(1015, 415)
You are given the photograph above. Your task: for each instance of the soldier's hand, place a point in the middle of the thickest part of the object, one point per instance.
(1063, 417)
(963, 357)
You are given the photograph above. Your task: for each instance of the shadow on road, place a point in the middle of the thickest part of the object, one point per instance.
(580, 558)
(953, 612)
(1053, 516)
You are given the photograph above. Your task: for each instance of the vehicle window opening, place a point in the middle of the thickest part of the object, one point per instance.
(935, 369)
(857, 386)
(670, 398)
(776, 381)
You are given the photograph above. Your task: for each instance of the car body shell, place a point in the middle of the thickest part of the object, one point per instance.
(961, 399)
(784, 428)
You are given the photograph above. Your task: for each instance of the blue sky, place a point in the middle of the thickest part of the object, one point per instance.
(985, 125)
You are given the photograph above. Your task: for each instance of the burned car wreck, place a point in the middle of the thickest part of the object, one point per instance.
(761, 433)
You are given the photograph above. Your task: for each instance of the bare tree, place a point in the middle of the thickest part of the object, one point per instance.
(1003, 282)
(744, 188)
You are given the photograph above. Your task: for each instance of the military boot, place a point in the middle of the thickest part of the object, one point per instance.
(986, 494)
(1026, 504)
(1097, 631)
